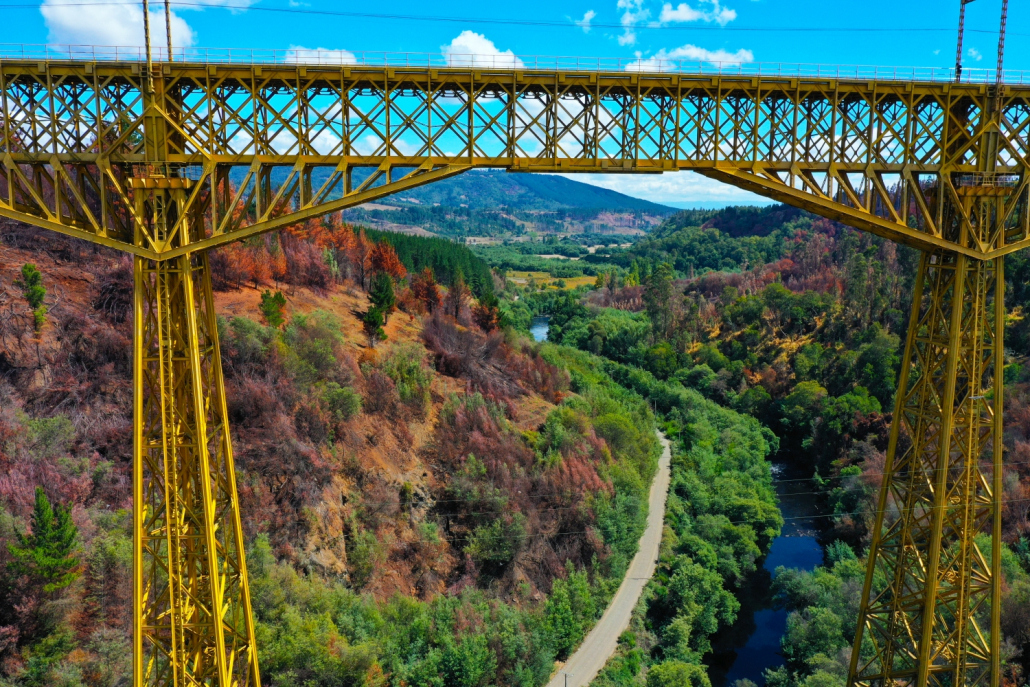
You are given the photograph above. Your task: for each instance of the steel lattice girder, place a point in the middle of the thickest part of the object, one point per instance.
(92, 151)
(309, 140)
(192, 614)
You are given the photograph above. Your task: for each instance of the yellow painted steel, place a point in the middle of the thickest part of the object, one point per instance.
(169, 162)
(192, 615)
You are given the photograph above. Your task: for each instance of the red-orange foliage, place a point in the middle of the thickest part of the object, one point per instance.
(384, 259)
(406, 302)
(487, 317)
(488, 363)
(360, 256)
(425, 290)
(305, 264)
(551, 499)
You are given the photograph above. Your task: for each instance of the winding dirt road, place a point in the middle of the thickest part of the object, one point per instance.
(600, 644)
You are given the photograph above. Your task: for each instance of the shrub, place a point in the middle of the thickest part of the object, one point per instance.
(405, 365)
(316, 342)
(364, 556)
(342, 401)
(497, 543)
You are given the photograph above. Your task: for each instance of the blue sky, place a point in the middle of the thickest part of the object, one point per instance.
(747, 30)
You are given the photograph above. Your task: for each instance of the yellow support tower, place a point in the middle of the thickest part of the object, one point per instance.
(192, 619)
(931, 601)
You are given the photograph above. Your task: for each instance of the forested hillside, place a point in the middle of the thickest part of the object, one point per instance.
(797, 322)
(427, 499)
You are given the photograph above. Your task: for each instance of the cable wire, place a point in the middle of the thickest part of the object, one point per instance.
(570, 23)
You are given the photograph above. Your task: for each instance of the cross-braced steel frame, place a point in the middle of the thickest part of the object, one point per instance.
(145, 162)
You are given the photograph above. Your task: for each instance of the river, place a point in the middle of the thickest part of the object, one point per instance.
(745, 649)
(538, 328)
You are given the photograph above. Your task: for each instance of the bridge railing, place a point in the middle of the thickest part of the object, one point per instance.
(507, 60)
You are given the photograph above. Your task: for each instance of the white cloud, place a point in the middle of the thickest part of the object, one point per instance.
(685, 13)
(663, 59)
(584, 23)
(633, 14)
(298, 53)
(470, 49)
(974, 54)
(673, 187)
(115, 24)
(120, 23)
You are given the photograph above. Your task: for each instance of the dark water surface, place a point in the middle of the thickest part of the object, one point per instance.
(752, 644)
(538, 328)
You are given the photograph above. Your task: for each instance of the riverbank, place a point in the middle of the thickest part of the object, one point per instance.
(745, 649)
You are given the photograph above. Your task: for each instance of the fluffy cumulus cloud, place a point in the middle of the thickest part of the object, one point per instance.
(120, 23)
(584, 23)
(707, 11)
(298, 53)
(470, 49)
(633, 12)
(974, 54)
(677, 187)
(664, 60)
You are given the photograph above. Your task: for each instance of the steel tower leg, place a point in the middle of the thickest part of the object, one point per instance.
(931, 599)
(191, 607)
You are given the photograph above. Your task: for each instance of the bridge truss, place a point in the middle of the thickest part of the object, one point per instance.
(141, 161)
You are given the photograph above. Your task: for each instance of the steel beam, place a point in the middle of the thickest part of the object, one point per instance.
(171, 162)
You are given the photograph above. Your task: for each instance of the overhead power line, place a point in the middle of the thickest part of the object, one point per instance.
(569, 23)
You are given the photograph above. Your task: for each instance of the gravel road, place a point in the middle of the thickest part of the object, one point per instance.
(600, 644)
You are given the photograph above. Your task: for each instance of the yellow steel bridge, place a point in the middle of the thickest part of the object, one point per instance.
(137, 156)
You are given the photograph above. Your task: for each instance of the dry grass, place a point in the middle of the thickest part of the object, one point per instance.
(545, 279)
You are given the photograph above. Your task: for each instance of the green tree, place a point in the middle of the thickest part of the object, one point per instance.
(658, 299)
(469, 663)
(44, 656)
(800, 408)
(560, 620)
(678, 674)
(47, 553)
(372, 322)
(381, 295)
(31, 284)
(272, 308)
(816, 630)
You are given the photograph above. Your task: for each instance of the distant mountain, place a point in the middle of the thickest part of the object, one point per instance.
(496, 204)
(494, 190)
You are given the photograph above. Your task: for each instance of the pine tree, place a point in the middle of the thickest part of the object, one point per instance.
(46, 554)
(372, 323)
(457, 295)
(272, 306)
(658, 299)
(31, 284)
(384, 259)
(381, 295)
(424, 288)
(487, 314)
